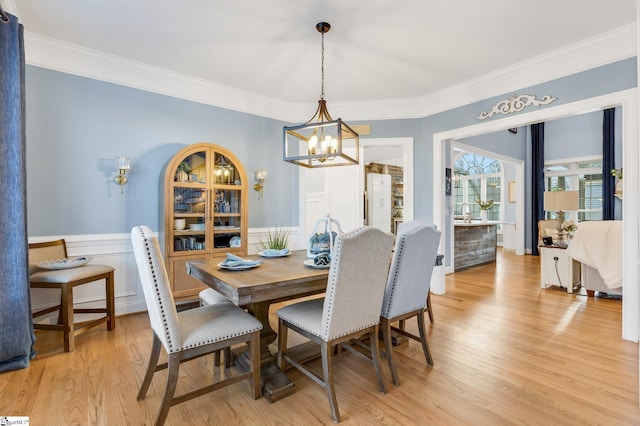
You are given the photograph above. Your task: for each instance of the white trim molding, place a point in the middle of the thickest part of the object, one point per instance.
(600, 50)
(515, 103)
(116, 250)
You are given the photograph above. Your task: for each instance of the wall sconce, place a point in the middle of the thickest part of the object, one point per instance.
(123, 164)
(261, 175)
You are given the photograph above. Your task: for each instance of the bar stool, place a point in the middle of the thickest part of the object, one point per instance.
(65, 280)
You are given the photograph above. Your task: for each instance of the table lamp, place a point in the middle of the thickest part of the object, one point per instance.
(560, 201)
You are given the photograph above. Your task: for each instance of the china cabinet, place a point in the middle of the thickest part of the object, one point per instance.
(205, 211)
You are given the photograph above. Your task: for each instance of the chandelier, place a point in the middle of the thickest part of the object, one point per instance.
(321, 141)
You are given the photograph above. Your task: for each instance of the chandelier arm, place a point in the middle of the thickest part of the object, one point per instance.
(324, 112)
(317, 113)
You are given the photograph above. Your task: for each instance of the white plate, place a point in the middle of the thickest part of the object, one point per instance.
(261, 253)
(63, 263)
(309, 262)
(235, 242)
(238, 268)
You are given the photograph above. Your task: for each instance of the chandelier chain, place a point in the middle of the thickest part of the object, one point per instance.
(322, 68)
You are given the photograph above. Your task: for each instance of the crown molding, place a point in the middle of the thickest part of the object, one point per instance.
(590, 53)
(72, 59)
(600, 50)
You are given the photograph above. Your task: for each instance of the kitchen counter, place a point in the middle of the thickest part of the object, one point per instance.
(474, 243)
(475, 223)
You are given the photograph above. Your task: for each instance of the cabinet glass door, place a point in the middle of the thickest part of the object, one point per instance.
(190, 204)
(226, 204)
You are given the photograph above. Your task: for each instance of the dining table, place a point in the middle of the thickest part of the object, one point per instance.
(255, 288)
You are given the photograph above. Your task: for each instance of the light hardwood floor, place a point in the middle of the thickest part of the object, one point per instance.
(505, 352)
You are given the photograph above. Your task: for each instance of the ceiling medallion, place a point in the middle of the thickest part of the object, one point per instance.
(516, 103)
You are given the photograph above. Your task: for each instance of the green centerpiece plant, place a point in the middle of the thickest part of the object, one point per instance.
(277, 239)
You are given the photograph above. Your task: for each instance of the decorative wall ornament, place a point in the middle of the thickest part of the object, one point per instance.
(516, 103)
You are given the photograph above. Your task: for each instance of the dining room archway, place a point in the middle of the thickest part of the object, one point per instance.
(627, 99)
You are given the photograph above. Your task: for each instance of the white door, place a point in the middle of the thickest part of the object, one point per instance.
(333, 191)
(339, 191)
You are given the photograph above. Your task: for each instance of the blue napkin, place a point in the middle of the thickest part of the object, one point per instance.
(322, 259)
(234, 261)
(275, 252)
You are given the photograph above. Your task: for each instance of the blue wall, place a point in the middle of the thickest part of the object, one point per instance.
(580, 136)
(76, 126)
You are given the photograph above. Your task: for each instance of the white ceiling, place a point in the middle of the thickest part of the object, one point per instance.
(376, 49)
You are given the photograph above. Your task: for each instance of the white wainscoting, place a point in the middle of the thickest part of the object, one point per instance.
(116, 250)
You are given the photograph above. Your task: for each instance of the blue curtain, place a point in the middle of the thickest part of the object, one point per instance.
(537, 181)
(16, 326)
(608, 163)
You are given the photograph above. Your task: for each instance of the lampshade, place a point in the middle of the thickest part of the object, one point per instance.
(321, 141)
(124, 163)
(561, 200)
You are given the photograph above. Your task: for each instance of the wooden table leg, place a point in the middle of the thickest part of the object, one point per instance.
(275, 384)
(111, 309)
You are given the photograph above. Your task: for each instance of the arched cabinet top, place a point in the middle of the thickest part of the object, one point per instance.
(205, 210)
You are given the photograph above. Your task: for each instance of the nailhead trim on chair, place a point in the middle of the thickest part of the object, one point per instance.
(338, 336)
(171, 348)
(220, 339)
(329, 297)
(157, 291)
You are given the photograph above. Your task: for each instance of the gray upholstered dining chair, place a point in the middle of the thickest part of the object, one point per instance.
(350, 308)
(408, 285)
(401, 228)
(191, 333)
(211, 297)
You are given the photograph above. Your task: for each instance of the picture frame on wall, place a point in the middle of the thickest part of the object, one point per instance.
(447, 181)
(512, 192)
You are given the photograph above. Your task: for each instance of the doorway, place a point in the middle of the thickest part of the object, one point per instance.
(518, 223)
(339, 191)
(631, 155)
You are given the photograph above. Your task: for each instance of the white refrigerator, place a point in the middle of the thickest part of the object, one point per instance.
(379, 201)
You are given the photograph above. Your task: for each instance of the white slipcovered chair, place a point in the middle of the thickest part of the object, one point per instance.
(188, 334)
(597, 245)
(547, 228)
(350, 308)
(408, 285)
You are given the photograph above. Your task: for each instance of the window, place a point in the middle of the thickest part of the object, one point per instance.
(583, 175)
(476, 176)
